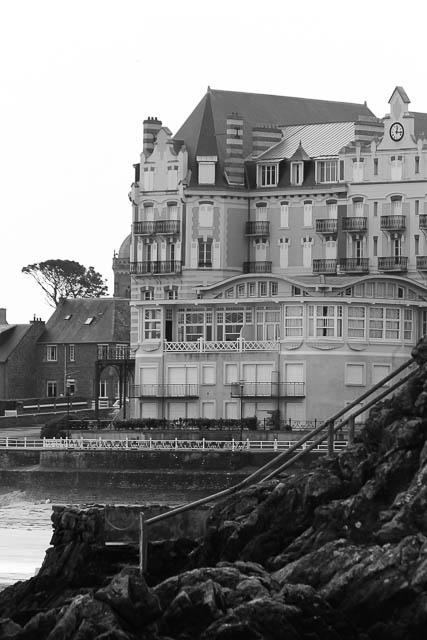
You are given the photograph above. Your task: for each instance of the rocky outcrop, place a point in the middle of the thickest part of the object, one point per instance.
(335, 552)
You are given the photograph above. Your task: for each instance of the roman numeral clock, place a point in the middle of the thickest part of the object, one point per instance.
(396, 131)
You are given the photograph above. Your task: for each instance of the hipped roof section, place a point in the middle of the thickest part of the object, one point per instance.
(205, 128)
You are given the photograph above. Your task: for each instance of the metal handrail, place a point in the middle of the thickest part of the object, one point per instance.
(250, 479)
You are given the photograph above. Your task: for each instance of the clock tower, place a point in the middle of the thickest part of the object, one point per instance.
(399, 123)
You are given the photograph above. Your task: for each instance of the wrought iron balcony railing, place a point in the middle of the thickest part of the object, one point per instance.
(422, 263)
(258, 228)
(393, 223)
(354, 265)
(158, 267)
(106, 352)
(267, 389)
(393, 263)
(422, 223)
(152, 227)
(217, 346)
(355, 223)
(325, 265)
(327, 225)
(257, 267)
(164, 391)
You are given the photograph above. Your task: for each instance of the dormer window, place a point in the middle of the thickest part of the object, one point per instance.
(297, 173)
(327, 171)
(268, 175)
(207, 169)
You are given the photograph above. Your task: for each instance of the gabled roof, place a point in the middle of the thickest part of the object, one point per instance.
(111, 321)
(401, 91)
(256, 108)
(300, 154)
(317, 139)
(10, 336)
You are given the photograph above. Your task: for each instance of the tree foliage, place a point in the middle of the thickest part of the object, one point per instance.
(66, 279)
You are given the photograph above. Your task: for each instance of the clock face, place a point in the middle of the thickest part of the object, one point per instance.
(396, 131)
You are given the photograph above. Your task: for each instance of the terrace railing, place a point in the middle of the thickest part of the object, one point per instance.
(215, 346)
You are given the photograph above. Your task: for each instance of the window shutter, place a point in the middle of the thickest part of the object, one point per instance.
(216, 255)
(163, 250)
(193, 259)
(154, 251)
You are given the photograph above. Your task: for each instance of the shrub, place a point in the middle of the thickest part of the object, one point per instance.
(56, 427)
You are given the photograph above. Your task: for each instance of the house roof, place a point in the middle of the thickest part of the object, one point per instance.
(10, 336)
(212, 111)
(316, 139)
(111, 321)
(420, 128)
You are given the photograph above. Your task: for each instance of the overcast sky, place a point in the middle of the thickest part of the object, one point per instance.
(78, 78)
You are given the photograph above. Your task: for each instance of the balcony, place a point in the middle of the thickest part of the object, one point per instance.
(422, 223)
(121, 263)
(216, 346)
(422, 263)
(106, 352)
(258, 228)
(327, 225)
(164, 391)
(354, 265)
(325, 265)
(356, 224)
(393, 263)
(267, 389)
(156, 267)
(153, 227)
(257, 267)
(393, 223)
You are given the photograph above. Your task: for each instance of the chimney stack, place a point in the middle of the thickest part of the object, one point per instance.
(152, 127)
(3, 316)
(263, 137)
(234, 166)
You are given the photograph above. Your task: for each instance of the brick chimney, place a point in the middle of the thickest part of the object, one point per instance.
(152, 127)
(234, 166)
(264, 136)
(3, 316)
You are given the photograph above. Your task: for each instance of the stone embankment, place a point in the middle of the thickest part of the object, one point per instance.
(336, 552)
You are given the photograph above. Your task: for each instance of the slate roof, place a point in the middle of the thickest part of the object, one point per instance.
(420, 128)
(10, 336)
(317, 140)
(111, 321)
(212, 111)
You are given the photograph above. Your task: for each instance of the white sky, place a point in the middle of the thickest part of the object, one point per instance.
(77, 79)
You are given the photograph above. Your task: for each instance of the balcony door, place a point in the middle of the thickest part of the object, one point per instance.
(148, 380)
(180, 378)
(257, 378)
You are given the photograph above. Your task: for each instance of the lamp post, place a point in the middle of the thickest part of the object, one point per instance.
(241, 387)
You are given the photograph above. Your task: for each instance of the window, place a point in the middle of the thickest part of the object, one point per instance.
(297, 173)
(262, 292)
(380, 371)
(193, 325)
(274, 289)
(89, 320)
(284, 214)
(408, 325)
(171, 293)
(417, 164)
(417, 207)
(396, 205)
(267, 324)
(102, 389)
(151, 330)
(396, 167)
(356, 322)
(172, 211)
(51, 389)
(308, 213)
(417, 245)
(71, 353)
(358, 208)
(205, 252)
(51, 353)
(230, 373)
(229, 293)
(354, 374)
(148, 178)
(172, 177)
(325, 321)
(147, 293)
(332, 208)
(267, 175)
(206, 169)
(252, 289)
(206, 215)
(70, 387)
(293, 321)
(261, 211)
(358, 170)
(208, 374)
(384, 323)
(375, 246)
(327, 171)
(375, 209)
(240, 290)
(307, 243)
(375, 166)
(229, 324)
(149, 212)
